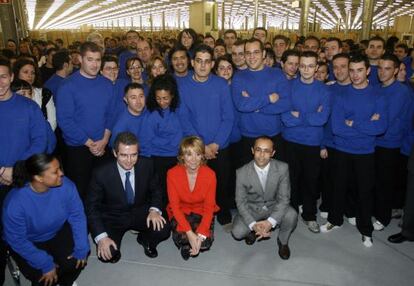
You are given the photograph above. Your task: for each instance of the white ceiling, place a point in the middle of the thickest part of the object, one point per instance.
(71, 14)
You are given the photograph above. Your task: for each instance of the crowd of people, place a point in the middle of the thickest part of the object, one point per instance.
(161, 135)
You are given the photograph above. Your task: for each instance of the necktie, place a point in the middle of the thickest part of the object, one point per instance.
(128, 189)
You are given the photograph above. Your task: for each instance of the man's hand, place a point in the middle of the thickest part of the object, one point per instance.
(295, 113)
(324, 153)
(80, 263)
(349, 123)
(375, 117)
(156, 219)
(274, 97)
(99, 147)
(49, 278)
(320, 108)
(245, 94)
(195, 242)
(6, 177)
(211, 151)
(263, 229)
(103, 250)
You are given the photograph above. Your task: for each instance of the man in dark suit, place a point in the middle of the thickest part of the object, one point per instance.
(125, 195)
(262, 198)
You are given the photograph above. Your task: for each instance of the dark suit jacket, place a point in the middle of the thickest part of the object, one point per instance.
(106, 202)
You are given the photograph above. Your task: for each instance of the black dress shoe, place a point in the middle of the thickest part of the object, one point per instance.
(284, 251)
(250, 238)
(185, 252)
(149, 251)
(398, 238)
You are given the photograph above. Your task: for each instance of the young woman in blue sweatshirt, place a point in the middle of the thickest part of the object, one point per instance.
(44, 223)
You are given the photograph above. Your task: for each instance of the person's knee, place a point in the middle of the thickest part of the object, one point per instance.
(290, 217)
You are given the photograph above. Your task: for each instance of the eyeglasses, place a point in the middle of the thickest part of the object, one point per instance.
(136, 68)
(228, 68)
(260, 150)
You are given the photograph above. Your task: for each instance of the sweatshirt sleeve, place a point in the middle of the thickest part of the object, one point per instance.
(319, 118)
(65, 112)
(209, 205)
(15, 234)
(38, 132)
(283, 89)
(185, 119)
(338, 120)
(246, 104)
(291, 121)
(77, 221)
(374, 127)
(227, 117)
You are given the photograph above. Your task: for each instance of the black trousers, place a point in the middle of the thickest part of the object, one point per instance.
(408, 219)
(247, 143)
(161, 166)
(327, 180)
(180, 238)
(79, 165)
(235, 162)
(387, 169)
(362, 168)
(138, 222)
(400, 194)
(3, 247)
(222, 167)
(59, 247)
(304, 167)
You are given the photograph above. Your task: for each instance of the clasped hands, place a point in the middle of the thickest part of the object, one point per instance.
(97, 148)
(51, 277)
(262, 229)
(6, 175)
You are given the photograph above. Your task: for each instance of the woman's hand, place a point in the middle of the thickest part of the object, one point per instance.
(49, 278)
(195, 243)
(80, 263)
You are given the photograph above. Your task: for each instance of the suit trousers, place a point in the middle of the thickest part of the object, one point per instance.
(362, 168)
(387, 168)
(286, 226)
(222, 168)
(304, 167)
(79, 165)
(59, 247)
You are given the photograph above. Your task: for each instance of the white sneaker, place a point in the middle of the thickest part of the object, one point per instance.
(328, 227)
(75, 284)
(378, 225)
(313, 226)
(323, 214)
(352, 221)
(300, 209)
(367, 241)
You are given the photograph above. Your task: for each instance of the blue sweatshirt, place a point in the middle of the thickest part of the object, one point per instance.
(53, 84)
(373, 76)
(206, 110)
(312, 103)
(23, 130)
(84, 108)
(358, 105)
(166, 132)
(119, 93)
(138, 125)
(335, 90)
(30, 217)
(398, 104)
(258, 116)
(408, 139)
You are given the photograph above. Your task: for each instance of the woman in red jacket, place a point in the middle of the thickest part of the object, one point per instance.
(191, 187)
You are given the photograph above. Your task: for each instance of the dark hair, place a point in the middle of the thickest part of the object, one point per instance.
(108, 59)
(59, 59)
(131, 32)
(391, 57)
(402, 46)
(357, 58)
(264, 137)
(131, 61)
(226, 58)
(126, 138)
(51, 50)
(60, 41)
(89, 47)
(313, 38)
(389, 46)
(378, 38)
(193, 35)
(283, 38)
(289, 53)
(309, 54)
(260, 28)
(334, 39)
(230, 31)
(240, 42)
(20, 63)
(133, 85)
(6, 63)
(24, 171)
(175, 49)
(219, 44)
(8, 53)
(163, 82)
(321, 63)
(270, 53)
(202, 48)
(210, 36)
(254, 40)
(19, 84)
(341, 55)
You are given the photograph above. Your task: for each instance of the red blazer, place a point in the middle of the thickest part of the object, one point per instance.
(202, 200)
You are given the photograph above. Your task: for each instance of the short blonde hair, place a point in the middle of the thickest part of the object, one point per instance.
(191, 142)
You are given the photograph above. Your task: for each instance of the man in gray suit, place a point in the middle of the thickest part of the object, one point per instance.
(262, 198)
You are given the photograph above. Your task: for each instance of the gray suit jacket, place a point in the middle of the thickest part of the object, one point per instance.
(253, 202)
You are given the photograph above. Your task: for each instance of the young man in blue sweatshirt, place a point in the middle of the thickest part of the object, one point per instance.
(358, 116)
(340, 64)
(85, 116)
(260, 94)
(387, 151)
(62, 63)
(23, 133)
(303, 133)
(374, 51)
(206, 110)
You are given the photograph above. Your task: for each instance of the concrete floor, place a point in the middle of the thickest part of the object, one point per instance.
(336, 258)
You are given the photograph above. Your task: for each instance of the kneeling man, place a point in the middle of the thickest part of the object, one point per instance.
(125, 195)
(263, 197)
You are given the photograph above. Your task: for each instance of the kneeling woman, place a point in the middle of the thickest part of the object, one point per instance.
(191, 187)
(44, 223)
